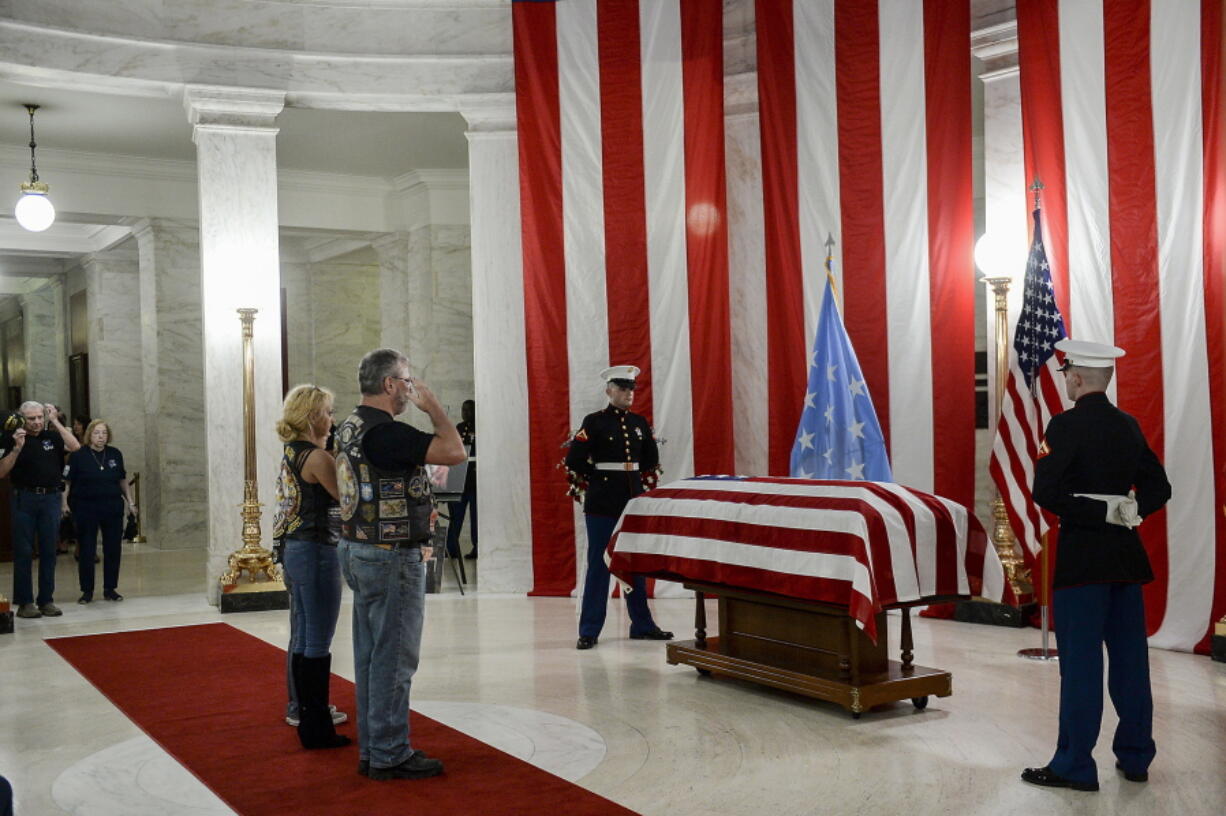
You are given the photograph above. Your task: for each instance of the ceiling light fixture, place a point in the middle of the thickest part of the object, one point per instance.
(34, 210)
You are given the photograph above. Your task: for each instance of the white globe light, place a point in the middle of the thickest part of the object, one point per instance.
(996, 257)
(34, 211)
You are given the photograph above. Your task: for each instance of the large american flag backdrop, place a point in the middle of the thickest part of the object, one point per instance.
(1123, 120)
(629, 226)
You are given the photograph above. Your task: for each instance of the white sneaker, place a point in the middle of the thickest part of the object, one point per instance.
(338, 717)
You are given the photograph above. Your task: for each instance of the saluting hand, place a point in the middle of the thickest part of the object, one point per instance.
(19, 438)
(421, 396)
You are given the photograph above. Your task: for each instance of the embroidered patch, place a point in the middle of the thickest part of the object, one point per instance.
(368, 491)
(393, 508)
(391, 488)
(346, 487)
(368, 512)
(581, 436)
(1043, 450)
(364, 472)
(419, 486)
(393, 530)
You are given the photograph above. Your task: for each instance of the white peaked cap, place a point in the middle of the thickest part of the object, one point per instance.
(626, 372)
(1087, 354)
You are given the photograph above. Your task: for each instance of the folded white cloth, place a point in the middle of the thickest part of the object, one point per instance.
(1121, 510)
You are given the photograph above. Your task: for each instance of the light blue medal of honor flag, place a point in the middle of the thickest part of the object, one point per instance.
(839, 436)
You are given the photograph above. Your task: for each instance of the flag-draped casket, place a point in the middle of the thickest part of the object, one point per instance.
(863, 546)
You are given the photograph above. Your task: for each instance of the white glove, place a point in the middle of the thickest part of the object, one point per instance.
(1121, 510)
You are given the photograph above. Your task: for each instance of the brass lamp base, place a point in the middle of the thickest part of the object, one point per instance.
(1038, 653)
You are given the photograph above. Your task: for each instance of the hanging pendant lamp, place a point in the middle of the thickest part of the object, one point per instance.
(34, 210)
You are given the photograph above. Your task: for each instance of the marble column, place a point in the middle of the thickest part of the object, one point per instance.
(498, 339)
(392, 250)
(174, 490)
(406, 292)
(343, 297)
(451, 333)
(44, 324)
(235, 138)
(112, 285)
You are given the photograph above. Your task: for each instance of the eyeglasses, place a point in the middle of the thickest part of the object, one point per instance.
(408, 380)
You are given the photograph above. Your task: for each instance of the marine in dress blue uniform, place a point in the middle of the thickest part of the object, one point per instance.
(612, 453)
(1098, 474)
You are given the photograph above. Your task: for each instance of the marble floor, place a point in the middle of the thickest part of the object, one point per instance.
(618, 720)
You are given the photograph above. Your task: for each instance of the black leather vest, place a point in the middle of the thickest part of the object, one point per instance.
(377, 506)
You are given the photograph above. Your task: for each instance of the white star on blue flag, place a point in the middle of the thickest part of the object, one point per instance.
(843, 439)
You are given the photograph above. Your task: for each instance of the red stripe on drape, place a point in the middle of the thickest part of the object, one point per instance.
(625, 218)
(706, 223)
(786, 354)
(861, 197)
(1132, 203)
(1038, 38)
(951, 235)
(1213, 113)
(540, 190)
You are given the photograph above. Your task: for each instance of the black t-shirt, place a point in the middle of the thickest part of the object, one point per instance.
(94, 476)
(395, 446)
(40, 462)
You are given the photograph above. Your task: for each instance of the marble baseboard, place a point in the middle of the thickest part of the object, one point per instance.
(257, 601)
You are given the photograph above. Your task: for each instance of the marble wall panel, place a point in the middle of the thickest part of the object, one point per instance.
(46, 358)
(174, 489)
(499, 374)
(452, 341)
(299, 319)
(114, 337)
(747, 291)
(345, 304)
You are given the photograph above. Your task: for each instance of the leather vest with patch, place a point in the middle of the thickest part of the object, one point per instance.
(378, 506)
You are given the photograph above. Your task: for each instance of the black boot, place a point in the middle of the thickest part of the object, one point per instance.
(315, 728)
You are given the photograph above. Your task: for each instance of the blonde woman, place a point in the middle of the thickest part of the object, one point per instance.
(306, 498)
(96, 491)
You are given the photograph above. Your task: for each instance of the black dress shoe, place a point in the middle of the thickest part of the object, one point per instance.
(1132, 777)
(586, 642)
(655, 634)
(1050, 779)
(112, 595)
(417, 766)
(85, 598)
(472, 556)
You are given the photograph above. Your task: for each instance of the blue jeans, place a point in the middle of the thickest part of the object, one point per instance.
(455, 524)
(36, 520)
(389, 605)
(90, 518)
(314, 582)
(596, 585)
(1086, 618)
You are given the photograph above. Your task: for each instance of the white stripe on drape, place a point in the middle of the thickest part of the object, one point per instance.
(587, 325)
(1178, 146)
(817, 149)
(1084, 106)
(905, 186)
(664, 176)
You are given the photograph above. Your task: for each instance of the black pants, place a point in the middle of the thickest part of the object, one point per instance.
(92, 517)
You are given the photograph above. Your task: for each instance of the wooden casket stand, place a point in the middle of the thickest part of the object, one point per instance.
(805, 647)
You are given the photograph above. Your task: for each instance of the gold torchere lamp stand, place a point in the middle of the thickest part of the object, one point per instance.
(1002, 533)
(251, 558)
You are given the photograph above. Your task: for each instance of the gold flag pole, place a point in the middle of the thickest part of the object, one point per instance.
(252, 557)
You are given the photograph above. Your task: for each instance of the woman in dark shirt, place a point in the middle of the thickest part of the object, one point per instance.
(96, 488)
(306, 521)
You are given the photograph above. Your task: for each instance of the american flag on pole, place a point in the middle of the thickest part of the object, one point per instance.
(662, 230)
(1124, 120)
(867, 546)
(1034, 392)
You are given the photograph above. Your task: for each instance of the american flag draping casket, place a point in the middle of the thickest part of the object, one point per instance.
(867, 546)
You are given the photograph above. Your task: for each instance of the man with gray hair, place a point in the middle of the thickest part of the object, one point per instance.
(34, 459)
(387, 517)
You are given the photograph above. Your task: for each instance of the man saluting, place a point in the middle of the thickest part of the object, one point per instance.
(612, 453)
(1098, 474)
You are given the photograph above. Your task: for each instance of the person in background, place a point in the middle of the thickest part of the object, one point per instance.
(97, 490)
(615, 455)
(33, 457)
(79, 423)
(306, 500)
(468, 499)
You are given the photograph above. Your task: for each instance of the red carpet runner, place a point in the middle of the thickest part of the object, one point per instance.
(213, 697)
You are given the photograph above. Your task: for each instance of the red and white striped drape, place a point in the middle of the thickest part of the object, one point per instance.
(625, 249)
(865, 122)
(1123, 120)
